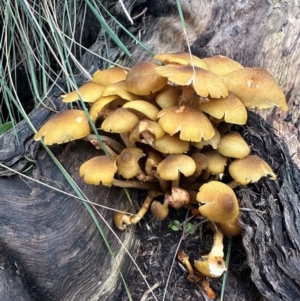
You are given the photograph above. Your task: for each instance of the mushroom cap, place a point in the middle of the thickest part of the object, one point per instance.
(250, 169)
(119, 88)
(171, 145)
(213, 142)
(159, 210)
(214, 267)
(168, 98)
(200, 160)
(233, 145)
(63, 127)
(109, 76)
(153, 159)
(127, 162)
(231, 229)
(121, 220)
(143, 80)
(172, 165)
(215, 162)
(145, 125)
(112, 101)
(192, 124)
(100, 169)
(221, 65)
(120, 121)
(220, 202)
(89, 91)
(144, 107)
(256, 88)
(181, 58)
(231, 108)
(204, 82)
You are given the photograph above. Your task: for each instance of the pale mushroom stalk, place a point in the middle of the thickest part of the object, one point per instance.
(122, 220)
(188, 96)
(184, 258)
(112, 143)
(136, 184)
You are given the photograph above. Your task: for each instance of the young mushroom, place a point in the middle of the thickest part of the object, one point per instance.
(63, 127)
(213, 264)
(109, 76)
(218, 202)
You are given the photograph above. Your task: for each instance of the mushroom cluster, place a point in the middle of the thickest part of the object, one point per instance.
(174, 116)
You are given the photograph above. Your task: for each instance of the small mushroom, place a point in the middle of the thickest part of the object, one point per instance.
(231, 108)
(143, 80)
(109, 76)
(232, 228)
(127, 162)
(256, 88)
(159, 210)
(144, 107)
(213, 264)
(120, 121)
(168, 98)
(215, 162)
(219, 202)
(249, 169)
(192, 124)
(233, 145)
(204, 82)
(213, 142)
(119, 88)
(171, 145)
(89, 92)
(63, 127)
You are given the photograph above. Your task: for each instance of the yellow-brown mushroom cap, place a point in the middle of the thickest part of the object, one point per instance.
(219, 201)
(213, 142)
(215, 162)
(109, 76)
(159, 210)
(128, 162)
(144, 107)
(63, 127)
(204, 82)
(171, 145)
(143, 80)
(231, 108)
(256, 88)
(192, 124)
(215, 267)
(119, 88)
(89, 92)
(233, 145)
(172, 165)
(120, 121)
(100, 169)
(221, 65)
(250, 169)
(181, 58)
(168, 98)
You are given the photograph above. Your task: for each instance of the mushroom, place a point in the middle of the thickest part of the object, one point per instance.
(213, 264)
(89, 92)
(221, 65)
(213, 142)
(204, 82)
(231, 108)
(105, 106)
(146, 131)
(215, 162)
(192, 124)
(120, 121)
(144, 107)
(232, 228)
(127, 162)
(109, 76)
(143, 80)
(170, 145)
(119, 88)
(256, 88)
(168, 98)
(249, 169)
(181, 58)
(218, 202)
(122, 219)
(63, 127)
(233, 145)
(159, 210)
(101, 170)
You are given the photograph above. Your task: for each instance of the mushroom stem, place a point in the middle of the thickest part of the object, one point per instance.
(136, 184)
(145, 206)
(184, 258)
(233, 184)
(188, 96)
(111, 143)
